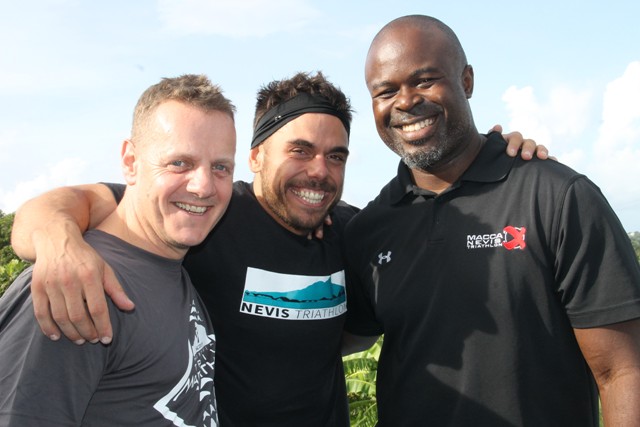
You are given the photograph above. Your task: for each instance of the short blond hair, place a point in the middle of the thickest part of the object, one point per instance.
(192, 89)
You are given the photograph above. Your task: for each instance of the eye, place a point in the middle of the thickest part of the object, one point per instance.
(427, 82)
(222, 169)
(384, 93)
(299, 152)
(337, 157)
(178, 165)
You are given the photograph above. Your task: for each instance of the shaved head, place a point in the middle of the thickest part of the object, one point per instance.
(429, 26)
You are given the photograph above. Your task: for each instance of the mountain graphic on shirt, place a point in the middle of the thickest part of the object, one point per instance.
(322, 294)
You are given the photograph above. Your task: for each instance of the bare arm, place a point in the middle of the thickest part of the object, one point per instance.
(613, 354)
(68, 276)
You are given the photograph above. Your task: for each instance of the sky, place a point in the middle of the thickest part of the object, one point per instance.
(565, 73)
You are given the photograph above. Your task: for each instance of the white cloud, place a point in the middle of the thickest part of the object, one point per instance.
(617, 150)
(526, 115)
(564, 115)
(620, 127)
(65, 172)
(235, 18)
(608, 154)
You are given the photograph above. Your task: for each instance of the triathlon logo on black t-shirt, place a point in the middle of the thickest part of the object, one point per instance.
(509, 238)
(293, 297)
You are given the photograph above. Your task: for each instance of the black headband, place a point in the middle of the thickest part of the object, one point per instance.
(283, 113)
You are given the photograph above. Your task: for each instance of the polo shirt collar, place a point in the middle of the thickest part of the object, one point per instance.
(491, 165)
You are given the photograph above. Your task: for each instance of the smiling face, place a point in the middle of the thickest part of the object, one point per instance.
(420, 84)
(300, 170)
(179, 177)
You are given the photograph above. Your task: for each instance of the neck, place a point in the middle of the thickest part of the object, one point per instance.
(440, 177)
(124, 224)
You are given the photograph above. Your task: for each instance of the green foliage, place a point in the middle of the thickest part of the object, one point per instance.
(10, 265)
(9, 272)
(6, 252)
(361, 371)
(635, 242)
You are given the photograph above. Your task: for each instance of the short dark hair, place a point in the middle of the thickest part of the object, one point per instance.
(279, 91)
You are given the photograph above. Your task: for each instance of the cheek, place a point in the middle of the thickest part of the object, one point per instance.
(224, 189)
(166, 185)
(379, 112)
(337, 173)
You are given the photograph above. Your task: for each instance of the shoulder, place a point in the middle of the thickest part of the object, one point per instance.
(365, 221)
(547, 178)
(242, 189)
(343, 212)
(116, 189)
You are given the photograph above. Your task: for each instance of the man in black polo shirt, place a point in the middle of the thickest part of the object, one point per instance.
(502, 287)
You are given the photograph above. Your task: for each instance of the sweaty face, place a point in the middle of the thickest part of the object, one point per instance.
(182, 176)
(419, 88)
(300, 170)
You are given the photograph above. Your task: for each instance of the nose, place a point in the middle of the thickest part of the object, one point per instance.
(407, 99)
(201, 183)
(317, 167)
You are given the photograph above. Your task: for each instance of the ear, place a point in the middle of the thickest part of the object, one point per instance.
(256, 158)
(129, 162)
(467, 80)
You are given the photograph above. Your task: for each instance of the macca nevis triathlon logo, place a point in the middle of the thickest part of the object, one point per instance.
(510, 238)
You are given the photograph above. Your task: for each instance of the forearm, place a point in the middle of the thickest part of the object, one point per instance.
(619, 398)
(66, 212)
(613, 354)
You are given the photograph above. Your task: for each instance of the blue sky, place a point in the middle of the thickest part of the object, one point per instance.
(564, 73)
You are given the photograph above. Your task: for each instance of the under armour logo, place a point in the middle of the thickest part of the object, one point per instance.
(517, 241)
(382, 257)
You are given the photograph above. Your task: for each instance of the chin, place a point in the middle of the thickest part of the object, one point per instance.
(187, 241)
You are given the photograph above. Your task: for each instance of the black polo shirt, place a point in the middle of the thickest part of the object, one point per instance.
(477, 289)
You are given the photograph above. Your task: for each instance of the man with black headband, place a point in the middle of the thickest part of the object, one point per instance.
(276, 296)
(281, 114)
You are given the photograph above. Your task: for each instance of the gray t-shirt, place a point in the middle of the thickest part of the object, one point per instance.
(158, 371)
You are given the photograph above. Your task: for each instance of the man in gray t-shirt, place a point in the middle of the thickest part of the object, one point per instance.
(158, 371)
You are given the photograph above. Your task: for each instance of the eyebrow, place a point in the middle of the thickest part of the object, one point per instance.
(412, 76)
(308, 144)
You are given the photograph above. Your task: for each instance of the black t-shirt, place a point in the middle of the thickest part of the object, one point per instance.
(477, 290)
(277, 303)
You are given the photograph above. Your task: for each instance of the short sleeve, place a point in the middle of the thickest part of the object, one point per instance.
(596, 269)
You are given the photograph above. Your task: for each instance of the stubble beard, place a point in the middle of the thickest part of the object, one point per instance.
(425, 157)
(277, 204)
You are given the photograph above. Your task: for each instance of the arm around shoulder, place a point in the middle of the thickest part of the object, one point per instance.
(69, 278)
(65, 209)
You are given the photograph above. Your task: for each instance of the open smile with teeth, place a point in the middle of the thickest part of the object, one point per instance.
(313, 197)
(191, 208)
(419, 125)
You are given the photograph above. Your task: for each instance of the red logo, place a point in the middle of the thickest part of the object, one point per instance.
(517, 238)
